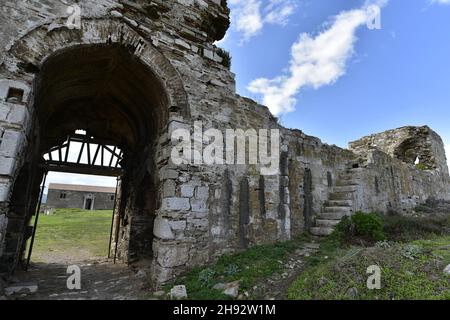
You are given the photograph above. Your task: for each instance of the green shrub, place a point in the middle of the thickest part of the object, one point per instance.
(368, 226)
(344, 229)
(225, 55)
(206, 277)
(421, 166)
(404, 228)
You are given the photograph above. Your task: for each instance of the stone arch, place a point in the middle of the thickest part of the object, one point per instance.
(416, 147)
(26, 62)
(26, 56)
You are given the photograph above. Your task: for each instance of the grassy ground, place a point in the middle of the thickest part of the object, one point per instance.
(412, 260)
(410, 271)
(72, 234)
(250, 267)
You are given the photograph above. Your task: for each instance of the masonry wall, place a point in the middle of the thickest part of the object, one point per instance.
(391, 180)
(76, 199)
(191, 214)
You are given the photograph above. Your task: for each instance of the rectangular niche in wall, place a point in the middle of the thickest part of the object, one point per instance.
(2, 135)
(15, 95)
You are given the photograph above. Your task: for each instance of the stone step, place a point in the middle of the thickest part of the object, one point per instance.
(321, 231)
(339, 203)
(338, 209)
(340, 196)
(326, 223)
(333, 215)
(345, 176)
(351, 170)
(344, 189)
(346, 182)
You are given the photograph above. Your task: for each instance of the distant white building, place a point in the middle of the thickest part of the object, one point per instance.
(80, 196)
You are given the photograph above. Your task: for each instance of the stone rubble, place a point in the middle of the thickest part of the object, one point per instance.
(178, 292)
(447, 270)
(21, 288)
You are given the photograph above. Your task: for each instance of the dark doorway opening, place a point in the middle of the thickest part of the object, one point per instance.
(104, 99)
(88, 205)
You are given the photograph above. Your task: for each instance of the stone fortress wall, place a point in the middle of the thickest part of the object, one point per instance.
(188, 215)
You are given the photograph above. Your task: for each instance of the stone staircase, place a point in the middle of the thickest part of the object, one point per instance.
(339, 204)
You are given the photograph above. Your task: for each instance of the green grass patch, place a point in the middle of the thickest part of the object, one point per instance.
(249, 267)
(403, 228)
(71, 230)
(409, 271)
(360, 227)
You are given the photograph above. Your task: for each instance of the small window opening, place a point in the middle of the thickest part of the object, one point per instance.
(81, 132)
(2, 134)
(377, 186)
(329, 179)
(63, 195)
(15, 95)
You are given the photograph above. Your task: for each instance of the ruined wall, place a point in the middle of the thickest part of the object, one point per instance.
(391, 178)
(184, 215)
(314, 169)
(408, 144)
(387, 184)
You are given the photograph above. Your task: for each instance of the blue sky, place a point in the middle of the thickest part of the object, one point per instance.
(386, 78)
(343, 80)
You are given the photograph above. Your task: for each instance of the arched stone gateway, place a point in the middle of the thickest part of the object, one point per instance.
(109, 81)
(134, 73)
(28, 54)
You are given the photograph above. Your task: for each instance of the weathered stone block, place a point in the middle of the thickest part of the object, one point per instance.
(176, 125)
(170, 174)
(4, 111)
(187, 190)
(178, 292)
(4, 190)
(18, 115)
(7, 166)
(172, 255)
(7, 84)
(177, 225)
(208, 54)
(198, 205)
(11, 143)
(182, 44)
(202, 193)
(169, 188)
(162, 229)
(176, 204)
(160, 274)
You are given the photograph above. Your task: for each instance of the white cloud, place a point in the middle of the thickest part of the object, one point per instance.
(315, 61)
(69, 178)
(279, 11)
(440, 1)
(248, 17)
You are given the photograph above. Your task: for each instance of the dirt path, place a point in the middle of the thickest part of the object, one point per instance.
(100, 280)
(275, 287)
(103, 280)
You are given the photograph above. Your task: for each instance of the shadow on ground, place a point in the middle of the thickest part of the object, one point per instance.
(100, 280)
